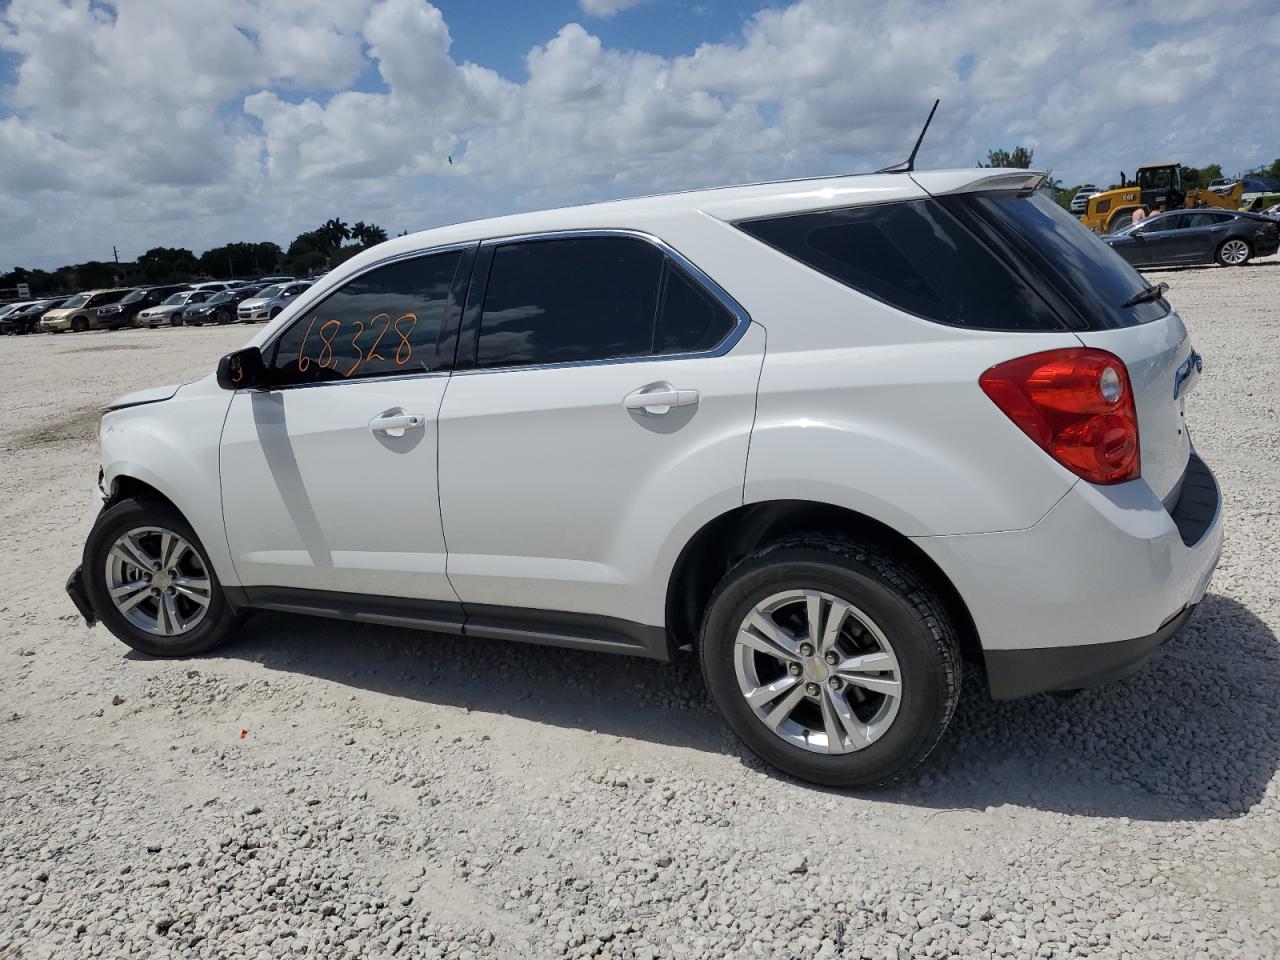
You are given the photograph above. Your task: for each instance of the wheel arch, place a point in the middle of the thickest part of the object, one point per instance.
(728, 538)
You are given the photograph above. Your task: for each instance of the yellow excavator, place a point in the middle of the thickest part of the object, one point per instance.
(1158, 187)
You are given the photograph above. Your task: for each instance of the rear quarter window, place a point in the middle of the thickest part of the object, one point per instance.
(913, 255)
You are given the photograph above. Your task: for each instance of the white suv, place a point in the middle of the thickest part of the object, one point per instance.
(832, 435)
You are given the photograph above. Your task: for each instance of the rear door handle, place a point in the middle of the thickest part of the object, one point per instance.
(395, 424)
(659, 399)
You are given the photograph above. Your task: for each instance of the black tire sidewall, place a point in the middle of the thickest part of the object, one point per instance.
(924, 706)
(1248, 256)
(115, 520)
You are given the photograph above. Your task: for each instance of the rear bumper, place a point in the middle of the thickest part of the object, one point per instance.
(1100, 582)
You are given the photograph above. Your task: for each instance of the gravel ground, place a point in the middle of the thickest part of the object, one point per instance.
(329, 790)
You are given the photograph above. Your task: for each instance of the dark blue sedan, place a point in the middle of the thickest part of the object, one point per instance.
(1231, 238)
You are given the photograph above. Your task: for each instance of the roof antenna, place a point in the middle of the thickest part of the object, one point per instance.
(909, 164)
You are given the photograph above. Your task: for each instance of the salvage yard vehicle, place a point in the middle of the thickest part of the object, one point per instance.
(220, 308)
(125, 312)
(268, 303)
(81, 312)
(1158, 187)
(832, 435)
(1197, 236)
(26, 318)
(170, 309)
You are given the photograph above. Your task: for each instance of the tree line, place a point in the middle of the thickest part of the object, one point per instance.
(310, 252)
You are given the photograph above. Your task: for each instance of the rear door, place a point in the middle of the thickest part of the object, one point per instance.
(1199, 236)
(610, 393)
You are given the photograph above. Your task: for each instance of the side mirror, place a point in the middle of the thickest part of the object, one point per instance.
(242, 369)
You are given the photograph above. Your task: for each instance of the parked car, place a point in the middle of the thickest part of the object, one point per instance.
(25, 318)
(220, 308)
(1197, 236)
(1080, 202)
(6, 309)
(124, 312)
(170, 309)
(80, 312)
(966, 438)
(1221, 185)
(268, 302)
(268, 281)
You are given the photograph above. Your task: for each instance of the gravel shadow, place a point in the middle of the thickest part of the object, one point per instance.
(1194, 735)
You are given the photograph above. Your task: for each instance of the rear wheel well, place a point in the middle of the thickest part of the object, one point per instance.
(732, 536)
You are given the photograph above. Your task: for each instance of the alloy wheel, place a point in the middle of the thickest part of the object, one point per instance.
(157, 581)
(817, 671)
(1235, 252)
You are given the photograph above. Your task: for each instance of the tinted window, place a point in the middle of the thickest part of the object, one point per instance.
(692, 321)
(1083, 270)
(1167, 222)
(557, 301)
(386, 321)
(914, 256)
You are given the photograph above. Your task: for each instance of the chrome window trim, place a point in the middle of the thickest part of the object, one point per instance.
(696, 273)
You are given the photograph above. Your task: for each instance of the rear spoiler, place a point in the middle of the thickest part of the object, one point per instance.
(959, 181)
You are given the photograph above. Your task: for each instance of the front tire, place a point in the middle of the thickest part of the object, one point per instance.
(79, 325)
(151, 583)
(1120, 221)
(832, 661)
(175, 320)
(1234, 252)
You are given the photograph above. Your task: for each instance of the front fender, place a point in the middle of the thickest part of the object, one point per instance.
(172, 446)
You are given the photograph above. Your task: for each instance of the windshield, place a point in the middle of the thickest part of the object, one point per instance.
(134, 297)
(221, 297)
(270, 292)
(1083, 270)
(79, 300)
(177, 298)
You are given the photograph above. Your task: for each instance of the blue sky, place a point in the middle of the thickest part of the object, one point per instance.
(153, 122)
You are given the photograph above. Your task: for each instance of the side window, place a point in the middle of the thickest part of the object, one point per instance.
(387, 321)
(692, 321)
(559, 301)
(912, 255)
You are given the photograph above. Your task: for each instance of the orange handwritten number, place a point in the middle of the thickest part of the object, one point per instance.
(373, 353)
(304, 362)
(325, 356)
(355, 345)
(404, 344)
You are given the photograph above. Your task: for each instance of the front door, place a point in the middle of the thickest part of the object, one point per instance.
(329, 473)
(610, 396)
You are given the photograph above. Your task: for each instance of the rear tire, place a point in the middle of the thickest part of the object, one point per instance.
(843, 724)
(172, 622)
(1234, 252)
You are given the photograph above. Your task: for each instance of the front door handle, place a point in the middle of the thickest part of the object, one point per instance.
(395, 424)
(659, 399)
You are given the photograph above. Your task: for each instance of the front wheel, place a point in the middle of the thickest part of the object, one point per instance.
(832, 661)
(175, 320)
(1234, 252)
(151, 583)
(1120, 221)
(79, 325)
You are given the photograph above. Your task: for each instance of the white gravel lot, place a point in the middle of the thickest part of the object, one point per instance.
(321, 789)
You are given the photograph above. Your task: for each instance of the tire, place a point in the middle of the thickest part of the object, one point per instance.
(891, 612)
(1120, 221)
(79, 325)
(273, 314)
(206, 630)
(175, 320)
(223, 318)
(1233, 252)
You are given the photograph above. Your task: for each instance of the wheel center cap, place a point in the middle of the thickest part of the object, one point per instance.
(160, 580)
(817, 670)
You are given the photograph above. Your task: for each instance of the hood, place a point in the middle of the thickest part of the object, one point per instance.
(139, 397)
(63, 311)
(256, 301)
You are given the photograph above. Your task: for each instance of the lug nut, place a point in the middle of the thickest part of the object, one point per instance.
(793, 669)
(155, 591)
(832, 657)
(835, 683)
(811, 689)
(806, 650)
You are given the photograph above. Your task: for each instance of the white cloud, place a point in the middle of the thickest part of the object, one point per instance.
(606, 8)
(154, 122)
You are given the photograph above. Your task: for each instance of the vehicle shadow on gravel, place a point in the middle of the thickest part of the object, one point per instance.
(1194, 735)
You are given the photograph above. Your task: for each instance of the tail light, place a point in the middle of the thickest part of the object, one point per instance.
(1077, 405)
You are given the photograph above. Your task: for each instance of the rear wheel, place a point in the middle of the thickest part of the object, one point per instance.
(1234, 252)
(151, 583)
(79, 325)
(832, 661)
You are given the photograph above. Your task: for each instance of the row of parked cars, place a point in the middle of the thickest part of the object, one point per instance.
(178, 304)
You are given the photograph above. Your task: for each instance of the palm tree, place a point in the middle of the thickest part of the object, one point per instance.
(368, 233)
(334, 232)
